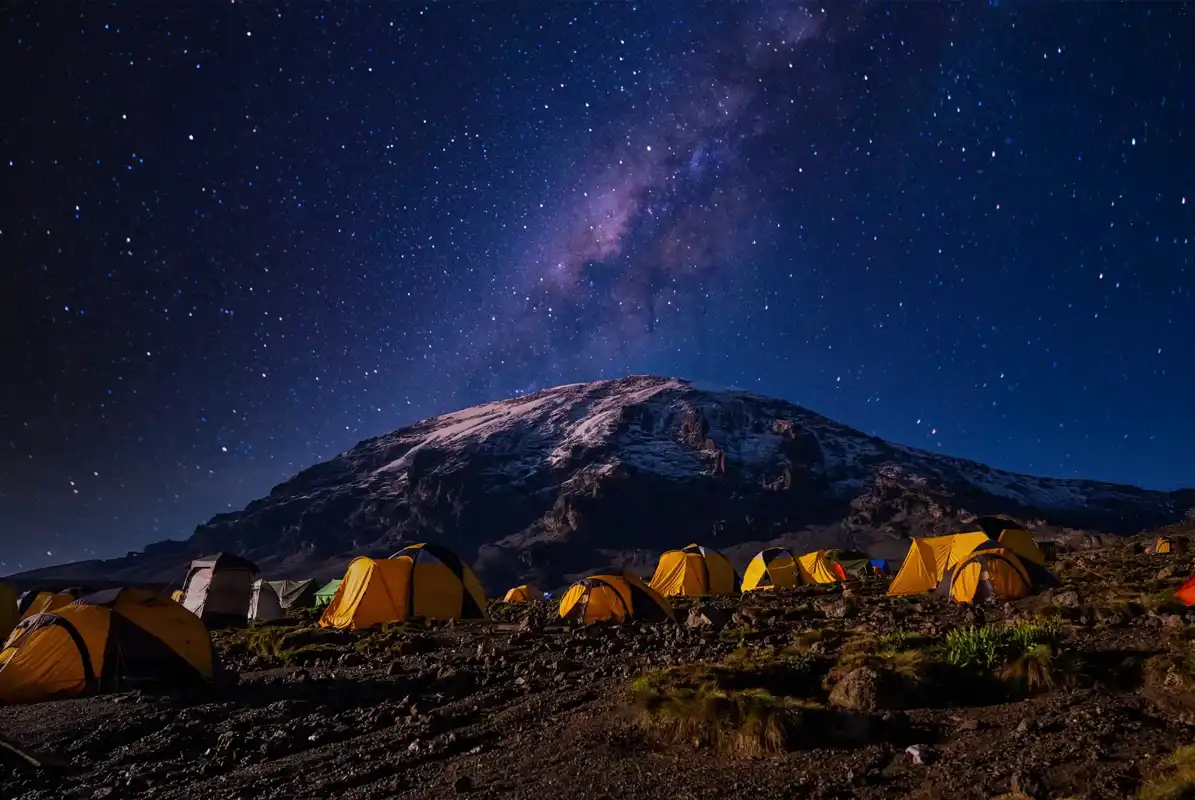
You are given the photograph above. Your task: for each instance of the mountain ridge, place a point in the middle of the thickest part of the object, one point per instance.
(548, 485)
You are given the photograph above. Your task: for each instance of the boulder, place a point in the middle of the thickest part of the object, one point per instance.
(868, 689)
(920, 753)
(707, 616)
(834, 608)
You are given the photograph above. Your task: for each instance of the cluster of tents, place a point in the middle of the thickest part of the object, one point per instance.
(66, 643)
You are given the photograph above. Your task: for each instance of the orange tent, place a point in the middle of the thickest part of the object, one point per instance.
(1186, 592)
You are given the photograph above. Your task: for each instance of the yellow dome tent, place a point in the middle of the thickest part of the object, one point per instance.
(10, 615)
(1166, 545)
(1010, 533)
(43, 602)
(929, 558)
(695, 570)
(988, 573)
(423, 580)
(523, 594)
(613, 594)
(772, 568)
(832, 566)
(105, 642)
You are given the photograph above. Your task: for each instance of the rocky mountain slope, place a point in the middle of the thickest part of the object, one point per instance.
(568, 479)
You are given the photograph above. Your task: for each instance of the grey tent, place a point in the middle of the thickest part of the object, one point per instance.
(264, 604)
(218, 589)
(295, 594)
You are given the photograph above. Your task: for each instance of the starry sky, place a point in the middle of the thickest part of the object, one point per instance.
(238, 238)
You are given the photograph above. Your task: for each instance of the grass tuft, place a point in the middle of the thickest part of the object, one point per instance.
(1177, 782)
(1038, 669)
(745, 706)
(290, 643)
(1162, 602)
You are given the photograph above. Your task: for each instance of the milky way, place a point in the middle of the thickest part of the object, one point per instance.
(240, 238)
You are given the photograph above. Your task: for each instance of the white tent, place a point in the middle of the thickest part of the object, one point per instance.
(218, 589)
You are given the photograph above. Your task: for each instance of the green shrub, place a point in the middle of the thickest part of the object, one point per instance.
(291, 643)
(992, 646)
(1026, 657)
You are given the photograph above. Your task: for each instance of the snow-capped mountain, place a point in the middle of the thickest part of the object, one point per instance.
(572, 478)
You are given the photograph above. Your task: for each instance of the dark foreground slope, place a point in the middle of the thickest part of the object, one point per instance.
(532, 711)
(573, 478)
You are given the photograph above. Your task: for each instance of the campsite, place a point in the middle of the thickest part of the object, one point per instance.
(828, 677)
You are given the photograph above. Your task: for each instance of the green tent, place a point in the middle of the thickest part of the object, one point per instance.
(854, 563)
(324, 596)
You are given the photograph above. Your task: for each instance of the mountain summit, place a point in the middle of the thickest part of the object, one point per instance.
(573, 478)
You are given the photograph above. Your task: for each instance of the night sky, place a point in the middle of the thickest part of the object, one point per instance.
(236, 239)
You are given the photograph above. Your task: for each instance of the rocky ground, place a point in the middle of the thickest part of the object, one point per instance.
(1085, 691)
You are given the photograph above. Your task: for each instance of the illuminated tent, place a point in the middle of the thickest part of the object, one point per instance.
(423, 580)
(41, 602)
(10, 614)
(1167, 545)
(523, 594)
(929, 558)
(692, 571)
(772, 568)
(219, 588)
(1186, 592)
(613, 594)
(108, 641)
(1010, 533)
(831, 566)
(993, 572)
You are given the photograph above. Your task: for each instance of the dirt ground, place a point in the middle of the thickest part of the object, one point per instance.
(526, 708)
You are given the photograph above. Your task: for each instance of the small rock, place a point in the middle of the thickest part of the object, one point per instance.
(920, 753)
(1172, 620)
(394, 669)
(1027, 724)
(1067, 599)
(463, 784)
(1165, 573)
(968, 724)
(833, 609)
